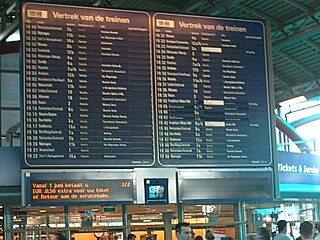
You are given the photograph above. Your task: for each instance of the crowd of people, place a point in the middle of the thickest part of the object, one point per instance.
(183, 232)
(307, 232)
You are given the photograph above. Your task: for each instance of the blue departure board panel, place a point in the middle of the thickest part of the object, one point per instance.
(212, 93)
(87, 86)
(106, 87)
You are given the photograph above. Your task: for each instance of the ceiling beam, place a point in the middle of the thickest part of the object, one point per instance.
(261, 15)
(292, 133)
(298, 89)
(164, 5)
(195, 6)
(296, 37)
(305, 120)
(298, 17)
(279, 79)
(177, 7)
(222, 4)
(313, 45)
(298, 64)
(299, 5)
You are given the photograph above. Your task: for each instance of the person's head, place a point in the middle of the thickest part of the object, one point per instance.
(209, 235)
(59, 236)
(282, 226)
(263, 233)
(252, 236)
(183, 231)
(306, 230)
(131, 236)
(198, 238)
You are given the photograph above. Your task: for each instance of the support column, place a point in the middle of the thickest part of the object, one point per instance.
(48, 226)
(125, 221)
(1, 98)
(180, 212)
(316, 211)
(67, 222)
(7, 223)
(240, 217)
(167, 216)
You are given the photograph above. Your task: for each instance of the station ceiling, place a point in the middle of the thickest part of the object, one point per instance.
(294, 25)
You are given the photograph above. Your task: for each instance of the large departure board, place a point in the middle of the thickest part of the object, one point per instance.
(87, 85)
(212, 94)
(68, 188)
(106, 87)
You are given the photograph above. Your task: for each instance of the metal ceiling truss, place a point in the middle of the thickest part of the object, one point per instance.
(273, 21)
(290, 31)
(280, 80)
(297, 36)
(197, 7)
(298, 64)
(224, 4)
(299, 5)
(309, 89)
(315, 46)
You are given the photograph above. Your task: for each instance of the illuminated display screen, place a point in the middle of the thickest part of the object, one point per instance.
(77, 188)
(211, 91)
(156, 191)
(106, 87)
(298, 174)
(87, 86)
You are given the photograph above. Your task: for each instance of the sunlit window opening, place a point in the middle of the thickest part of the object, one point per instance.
(305, 119)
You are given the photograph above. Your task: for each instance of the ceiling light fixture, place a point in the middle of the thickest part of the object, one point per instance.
(293, 101)
(14, 37)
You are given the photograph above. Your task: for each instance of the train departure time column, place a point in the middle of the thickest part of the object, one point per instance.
(87, 87)
(211, 91)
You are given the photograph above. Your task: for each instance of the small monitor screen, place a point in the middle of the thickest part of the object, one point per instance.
(156, 191)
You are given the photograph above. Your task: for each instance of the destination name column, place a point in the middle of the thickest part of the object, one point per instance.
(42, 84)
